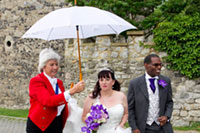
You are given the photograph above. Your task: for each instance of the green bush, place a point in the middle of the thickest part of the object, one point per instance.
(180, 39)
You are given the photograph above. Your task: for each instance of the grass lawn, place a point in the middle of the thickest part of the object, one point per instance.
(194, 126)
(14, 112)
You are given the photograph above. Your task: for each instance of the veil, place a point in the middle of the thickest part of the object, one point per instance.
(74, 122)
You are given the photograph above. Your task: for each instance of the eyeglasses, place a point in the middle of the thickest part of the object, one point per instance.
(157, 64)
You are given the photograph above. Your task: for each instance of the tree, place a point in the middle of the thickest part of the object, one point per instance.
(132, 11)
(179, 36)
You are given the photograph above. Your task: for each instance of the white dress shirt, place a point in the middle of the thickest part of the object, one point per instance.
(67, 96)
(153, 111)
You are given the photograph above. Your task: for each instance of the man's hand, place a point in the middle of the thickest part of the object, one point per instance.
(162, 120)
(77, 88)
(136, 131)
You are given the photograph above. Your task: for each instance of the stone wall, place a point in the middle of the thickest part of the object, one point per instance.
(19, 60)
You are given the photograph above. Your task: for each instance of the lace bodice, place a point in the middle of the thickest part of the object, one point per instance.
(115, 115)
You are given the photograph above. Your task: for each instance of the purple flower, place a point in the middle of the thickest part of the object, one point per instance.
(98, 115)
(94, 125)
(85, 129)
(162, 83)
(89, 120)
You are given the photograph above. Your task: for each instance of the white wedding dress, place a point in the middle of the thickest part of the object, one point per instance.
(112, 125)
(115, 112)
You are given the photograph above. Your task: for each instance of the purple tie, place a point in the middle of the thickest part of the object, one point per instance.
(152, 85)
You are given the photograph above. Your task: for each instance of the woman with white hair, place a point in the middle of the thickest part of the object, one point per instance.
(48, 99)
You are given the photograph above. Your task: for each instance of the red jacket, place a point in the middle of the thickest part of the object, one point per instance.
(44, 102)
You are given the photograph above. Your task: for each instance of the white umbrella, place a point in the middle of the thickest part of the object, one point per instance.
(77, 22)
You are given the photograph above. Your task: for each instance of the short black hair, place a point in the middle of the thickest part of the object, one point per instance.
(147, 59)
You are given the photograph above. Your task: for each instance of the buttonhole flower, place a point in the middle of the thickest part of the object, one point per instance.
(162, 83)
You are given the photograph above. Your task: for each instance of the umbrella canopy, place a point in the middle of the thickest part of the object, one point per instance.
(91, 21)
(77, 22)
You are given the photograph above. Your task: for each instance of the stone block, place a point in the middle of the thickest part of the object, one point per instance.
(183, 113)
(119, 44)
(181, 88)
(180, 122)
(196, 119)
(176, 113)
(145, 52)
(124, 53)
(196, 88)
(195, 113)
(189, 83)
(103, 40)
(135, 33)
(177, 106)
(114, 54)
(197, 100)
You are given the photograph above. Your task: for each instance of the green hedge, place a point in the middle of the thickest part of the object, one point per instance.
(180, 39)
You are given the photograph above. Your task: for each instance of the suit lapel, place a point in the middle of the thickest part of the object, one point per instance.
(143, 87)
(48, 84)
(160, 88)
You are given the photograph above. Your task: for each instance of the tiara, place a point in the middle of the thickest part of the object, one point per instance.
(106, 69)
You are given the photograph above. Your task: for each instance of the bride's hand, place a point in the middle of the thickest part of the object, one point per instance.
(95, 129)
(121, 125)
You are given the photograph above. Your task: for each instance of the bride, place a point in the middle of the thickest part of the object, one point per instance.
(107, 92)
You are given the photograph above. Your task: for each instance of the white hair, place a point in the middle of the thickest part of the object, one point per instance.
(46, 55)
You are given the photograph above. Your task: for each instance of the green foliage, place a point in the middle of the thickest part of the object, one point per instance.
(193, 6)
(16, 113)
(127, 9)
(166, 11)
(173, 7)
(152, 20)
(176, 28)
(180, 39)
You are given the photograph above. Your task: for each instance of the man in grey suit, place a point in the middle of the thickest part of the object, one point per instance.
(150, 101)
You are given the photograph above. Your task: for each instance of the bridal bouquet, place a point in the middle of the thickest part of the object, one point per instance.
(98, 115)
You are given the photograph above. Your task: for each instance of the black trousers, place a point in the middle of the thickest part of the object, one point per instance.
(54, 127)
(154, 128)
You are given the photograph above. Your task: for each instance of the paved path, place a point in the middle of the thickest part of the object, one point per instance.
(13, 125)
(18, 125)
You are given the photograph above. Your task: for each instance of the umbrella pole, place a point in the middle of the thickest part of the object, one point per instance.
(79, 55)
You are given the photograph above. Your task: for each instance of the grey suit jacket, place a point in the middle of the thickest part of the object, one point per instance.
(138, 103)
